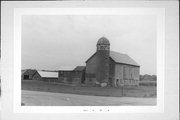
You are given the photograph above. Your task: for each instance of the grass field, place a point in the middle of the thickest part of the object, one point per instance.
(133, 91)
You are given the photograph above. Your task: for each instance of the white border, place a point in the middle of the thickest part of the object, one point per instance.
(159, 12)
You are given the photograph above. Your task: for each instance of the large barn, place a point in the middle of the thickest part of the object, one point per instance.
(106, 67)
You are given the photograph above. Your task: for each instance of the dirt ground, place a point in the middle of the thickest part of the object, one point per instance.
(36, 98)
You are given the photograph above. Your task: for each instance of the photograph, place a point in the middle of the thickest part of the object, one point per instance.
(88, 60)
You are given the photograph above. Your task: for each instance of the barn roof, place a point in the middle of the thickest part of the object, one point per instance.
(28, 72)
(23, 71)
(66, 68)
(48, 74)
(122, 58)
(79, 68)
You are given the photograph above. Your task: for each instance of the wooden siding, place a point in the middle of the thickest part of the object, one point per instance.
(91, 65)
(99, 65)
(111, 71)
(71, 77)
(126, 75)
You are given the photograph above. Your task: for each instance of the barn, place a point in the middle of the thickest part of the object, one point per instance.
(30, 74)
(106, 67)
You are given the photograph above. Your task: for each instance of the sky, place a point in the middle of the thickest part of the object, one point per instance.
(57, 42)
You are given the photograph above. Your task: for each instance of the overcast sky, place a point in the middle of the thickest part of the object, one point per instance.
(64, 42)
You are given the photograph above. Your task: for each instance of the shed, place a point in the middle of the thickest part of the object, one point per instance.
(81, 69)
(30, 74)
(71, 77)
(48, 76)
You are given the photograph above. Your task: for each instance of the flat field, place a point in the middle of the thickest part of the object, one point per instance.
(40, 93)
(133, 91)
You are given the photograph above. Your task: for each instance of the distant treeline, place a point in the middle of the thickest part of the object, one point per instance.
(147, 77)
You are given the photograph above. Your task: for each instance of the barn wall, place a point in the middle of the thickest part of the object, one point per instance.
(90, 79)
(70, 77)
(49, 79)
(126, 74)
(118, 75)
(102, 73)
(91, 68)
(111, 72)
(99, 65)
(91, 65)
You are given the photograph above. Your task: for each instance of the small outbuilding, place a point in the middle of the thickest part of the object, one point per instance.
(81, 69)
(30, 74)
(48, 76)
(75, 76)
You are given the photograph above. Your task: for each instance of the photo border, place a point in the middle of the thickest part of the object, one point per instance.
(159, 12)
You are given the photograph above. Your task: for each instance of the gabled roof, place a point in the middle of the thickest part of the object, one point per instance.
(28, 72)
(23, 71)
(122, 58)
(48, 74)
(79, 68)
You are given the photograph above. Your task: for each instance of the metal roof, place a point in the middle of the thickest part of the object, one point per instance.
(28, 72)
(119, 58)
(122, 58)
(48, 74)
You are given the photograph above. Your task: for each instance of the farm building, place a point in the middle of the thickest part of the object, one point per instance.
(30, 74)
(76, 76)
(107, 67)
(70, 77)
(104, 67)
(48, 76)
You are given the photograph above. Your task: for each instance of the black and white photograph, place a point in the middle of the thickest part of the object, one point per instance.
(95, 60)
(89, 60)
